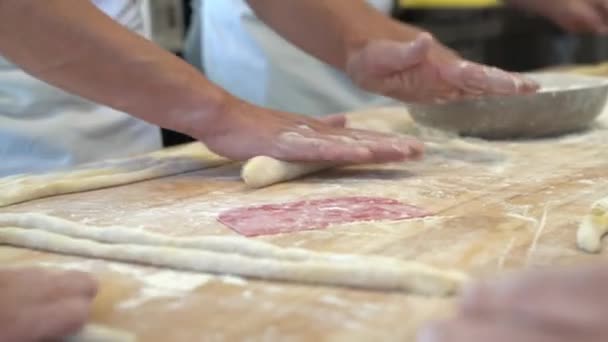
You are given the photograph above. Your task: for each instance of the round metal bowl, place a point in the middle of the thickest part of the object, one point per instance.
(565, 103)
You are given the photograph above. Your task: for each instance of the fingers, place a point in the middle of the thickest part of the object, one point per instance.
(466, 330)
(573, 298)
(393, 147)
(384, 58)
(411, 54)
(541, 305)
(40, 304)
(345, 146)
(475, 80)
(57, 320)
(71, 283)
(301, 147)
(55, 284)
(584, 16)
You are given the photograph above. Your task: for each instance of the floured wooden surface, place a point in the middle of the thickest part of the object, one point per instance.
(520, 209)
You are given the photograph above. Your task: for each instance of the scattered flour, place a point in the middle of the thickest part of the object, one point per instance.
(154, 283)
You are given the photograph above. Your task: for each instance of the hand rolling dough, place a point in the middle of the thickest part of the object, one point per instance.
(263, 171)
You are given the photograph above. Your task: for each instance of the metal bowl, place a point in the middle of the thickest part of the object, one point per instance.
(564, 104)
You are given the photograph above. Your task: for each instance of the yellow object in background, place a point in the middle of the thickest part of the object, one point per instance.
(449, 3)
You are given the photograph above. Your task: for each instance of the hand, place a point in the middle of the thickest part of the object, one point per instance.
(425, 71)
(539, 306)
(37, 304)
(572, 15)
(243, 131)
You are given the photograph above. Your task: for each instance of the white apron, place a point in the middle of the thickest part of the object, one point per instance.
(43, 128)
(247, 58)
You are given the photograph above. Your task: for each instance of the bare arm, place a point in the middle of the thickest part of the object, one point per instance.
(330, 30)
(382, 55)
(73, 45)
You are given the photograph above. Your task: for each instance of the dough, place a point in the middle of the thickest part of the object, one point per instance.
(117, 235)
(190, 157)
(129, 245)
(99, 333)
(593, 227)
(263, 171)
(296, 216)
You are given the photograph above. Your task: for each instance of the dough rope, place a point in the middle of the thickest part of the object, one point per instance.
(117, 235)
(100, 333)
(186, 158)
(593, 227)
(321, 268)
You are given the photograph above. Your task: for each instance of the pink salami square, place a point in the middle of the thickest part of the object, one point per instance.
(315, 214)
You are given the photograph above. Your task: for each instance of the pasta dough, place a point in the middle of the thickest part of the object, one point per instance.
(190, 157)
(593, 227)
(125, 244)
(99, 333)
(263, 171)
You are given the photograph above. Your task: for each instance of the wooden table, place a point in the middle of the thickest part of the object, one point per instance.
(513, 211)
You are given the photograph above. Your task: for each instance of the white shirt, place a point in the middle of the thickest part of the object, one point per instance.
(250, 60)
(43, 128)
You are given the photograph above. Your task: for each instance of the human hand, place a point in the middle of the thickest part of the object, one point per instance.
(572, 15)
(243, 131)
(562, 305)
(425, 71)
(38, 304)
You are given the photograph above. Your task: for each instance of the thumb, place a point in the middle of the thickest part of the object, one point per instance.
(335, 120)
(415, 52)
(383, 58)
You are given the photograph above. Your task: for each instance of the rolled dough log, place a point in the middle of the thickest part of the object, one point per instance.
(263, 171)
(374, 273)
(117, 235)
(190, 157)
(593, 227)
(99, 333)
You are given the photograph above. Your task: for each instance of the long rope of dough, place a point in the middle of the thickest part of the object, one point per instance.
(593, 227)
(173, 161)
(117, 235)
(355, 271)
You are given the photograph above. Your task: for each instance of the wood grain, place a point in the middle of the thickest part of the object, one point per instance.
(489, 220)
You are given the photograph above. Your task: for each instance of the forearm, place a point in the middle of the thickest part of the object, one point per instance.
(73, 45)
(330, 30)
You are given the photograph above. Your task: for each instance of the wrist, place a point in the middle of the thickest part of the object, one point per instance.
(200, 116)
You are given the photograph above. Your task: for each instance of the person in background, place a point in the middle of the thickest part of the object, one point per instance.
(76, 47)
(44, 128)
(229, 40)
